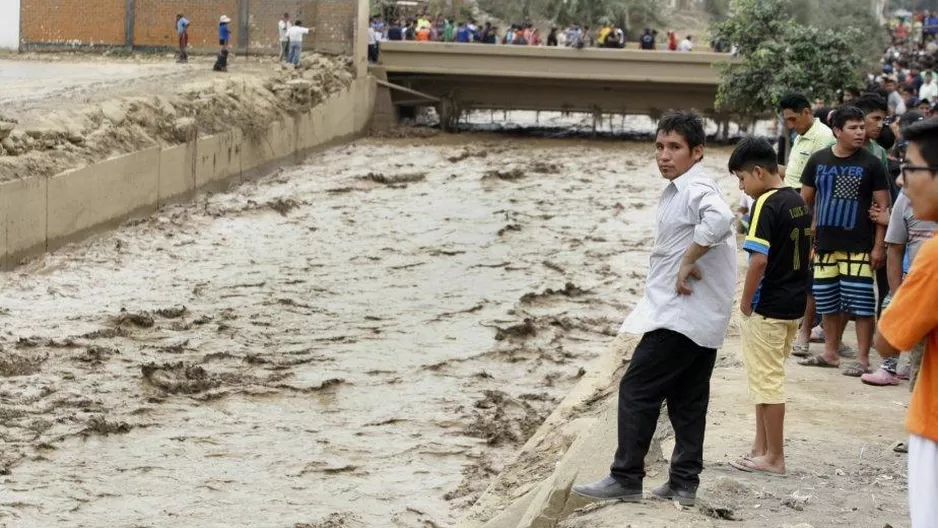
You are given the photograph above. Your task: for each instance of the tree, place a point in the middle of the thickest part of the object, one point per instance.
(779, 55)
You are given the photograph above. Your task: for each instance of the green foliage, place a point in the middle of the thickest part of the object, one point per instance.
(718, 9)
(780, 55)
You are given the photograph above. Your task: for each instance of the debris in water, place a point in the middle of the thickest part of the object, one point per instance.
(178, 377)
(173, 312)
(377, 177)
(508, 175)
(141, 319)
(525, 329)
(569, 290)
(100, 425)
(283, 205)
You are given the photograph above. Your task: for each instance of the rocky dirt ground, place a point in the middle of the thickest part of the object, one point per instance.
(62, 111)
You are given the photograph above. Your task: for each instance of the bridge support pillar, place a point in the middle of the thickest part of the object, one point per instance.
(385, 113)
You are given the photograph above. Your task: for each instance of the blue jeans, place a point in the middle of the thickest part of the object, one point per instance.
(295, 49)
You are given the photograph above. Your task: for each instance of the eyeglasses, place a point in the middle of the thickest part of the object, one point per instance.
(907, 168)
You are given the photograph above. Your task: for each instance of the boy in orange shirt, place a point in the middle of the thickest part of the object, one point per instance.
(912, 317)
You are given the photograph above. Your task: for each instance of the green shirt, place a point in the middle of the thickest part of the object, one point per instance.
(817, 137)
(448, 32)
(877, 150)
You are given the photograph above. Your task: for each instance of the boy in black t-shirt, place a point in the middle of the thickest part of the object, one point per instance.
(842, 182)
(774, 296)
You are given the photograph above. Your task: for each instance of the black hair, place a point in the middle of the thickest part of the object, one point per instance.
(688, 125)
(751, 152)
(880, 91)
(925, 135)
(846, 113)
(795, 102)
(852, 90)
(870, 102)
(823, 113)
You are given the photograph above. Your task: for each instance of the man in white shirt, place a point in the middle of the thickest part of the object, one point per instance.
(283, 27)
(929, 89)
(372, 42)
(682, 317)
(686, 44)
(295, 34)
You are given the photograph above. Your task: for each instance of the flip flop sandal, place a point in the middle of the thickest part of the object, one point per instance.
(846, 351)
(900, 447)
(856, 370)
(745, 465)
(800, 350)
(818, 361)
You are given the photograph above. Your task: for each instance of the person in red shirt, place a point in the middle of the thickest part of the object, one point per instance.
(911, 317)
(672, 41)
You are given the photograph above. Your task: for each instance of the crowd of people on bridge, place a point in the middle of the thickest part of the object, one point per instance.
(440, 29)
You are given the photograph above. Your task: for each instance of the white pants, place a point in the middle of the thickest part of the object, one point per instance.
(923, 482)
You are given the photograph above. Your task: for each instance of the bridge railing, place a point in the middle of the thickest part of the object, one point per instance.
(620, 65)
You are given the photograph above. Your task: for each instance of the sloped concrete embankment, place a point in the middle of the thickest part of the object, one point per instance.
(43, 213)
(534, 491)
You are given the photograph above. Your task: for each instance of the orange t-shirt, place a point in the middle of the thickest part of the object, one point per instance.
(911, 316)
(423, 35)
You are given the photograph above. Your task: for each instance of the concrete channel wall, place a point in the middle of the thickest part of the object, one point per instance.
(42, 214)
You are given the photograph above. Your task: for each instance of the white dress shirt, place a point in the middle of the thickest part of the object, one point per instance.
(929, 91)
(691, 210)
(295, 34)
(282, 27)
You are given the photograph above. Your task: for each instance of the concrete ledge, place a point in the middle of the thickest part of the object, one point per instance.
(101, 194)
(177, 173)
(218, 159)
(23, 213)
(41, 214)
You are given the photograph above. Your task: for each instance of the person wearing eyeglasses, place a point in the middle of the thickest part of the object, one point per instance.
(911, 317)
(841, 183)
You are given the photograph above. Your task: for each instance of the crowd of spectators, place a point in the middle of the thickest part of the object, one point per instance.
(425, 28)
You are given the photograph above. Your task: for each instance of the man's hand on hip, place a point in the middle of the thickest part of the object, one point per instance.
(687, 272)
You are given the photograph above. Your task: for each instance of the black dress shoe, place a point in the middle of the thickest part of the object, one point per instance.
(684, 497)
(609, 489)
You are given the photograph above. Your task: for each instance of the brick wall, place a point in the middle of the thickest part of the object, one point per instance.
(155, 22)
(333, 28)
(73, 22)
(96, 22)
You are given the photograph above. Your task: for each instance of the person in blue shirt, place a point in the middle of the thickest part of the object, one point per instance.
(463, 34)
(224, 36)
(224, 31)
(182, 31)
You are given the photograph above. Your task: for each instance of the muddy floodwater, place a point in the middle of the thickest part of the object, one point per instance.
(362, 340)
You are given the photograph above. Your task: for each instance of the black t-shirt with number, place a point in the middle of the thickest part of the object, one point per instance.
(844, 190)
(780, 229)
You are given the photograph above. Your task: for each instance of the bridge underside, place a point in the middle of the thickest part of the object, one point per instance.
(467, 92)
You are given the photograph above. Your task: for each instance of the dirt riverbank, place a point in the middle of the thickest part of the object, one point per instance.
(62, 112)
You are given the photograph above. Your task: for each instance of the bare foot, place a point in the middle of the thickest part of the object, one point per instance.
(759, 465)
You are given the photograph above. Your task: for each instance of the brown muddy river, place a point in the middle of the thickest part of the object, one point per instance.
(363, 340)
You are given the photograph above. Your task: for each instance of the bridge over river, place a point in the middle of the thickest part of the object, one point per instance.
(456, 77)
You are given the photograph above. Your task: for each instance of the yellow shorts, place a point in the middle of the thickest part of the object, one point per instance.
(766, 344)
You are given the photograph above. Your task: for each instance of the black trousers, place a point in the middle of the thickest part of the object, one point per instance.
(667, 366)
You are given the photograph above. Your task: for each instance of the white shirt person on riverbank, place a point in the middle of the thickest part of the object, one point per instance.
(683, 317)
(283, 27)
(295, 36)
